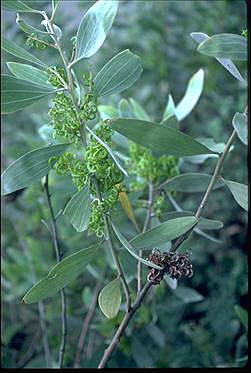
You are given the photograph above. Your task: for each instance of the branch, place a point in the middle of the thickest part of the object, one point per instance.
(58, 257)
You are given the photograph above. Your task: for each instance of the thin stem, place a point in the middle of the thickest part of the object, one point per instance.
(58, 257)
(146, 224)
(44, 42)
(205, 198)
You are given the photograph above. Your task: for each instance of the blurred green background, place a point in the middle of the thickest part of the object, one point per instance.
(168, 330)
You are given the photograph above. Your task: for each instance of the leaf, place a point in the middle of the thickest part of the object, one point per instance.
(107, 112)
(225, 46)
(19, 52)
(78, 210)
(169, 110)
(130, 249)
(126, 204)
(160, 139)
(109, 151)
(240, 124)
(225, 62)
(29, 168)
(139, 112)
(171, 282)
(17, 6)
(188, 295)
(192, 95)
(28, 29)
(167, 231)
(57, 30)
(55, 4)
(118, 74)
(61, 274)
(109, 299)
(243, 315)
(18, 94)
(203, 222)
(190, 182)
(207, 236)
(29, 74)
(125, 109)
(94, 28)
(239, 192)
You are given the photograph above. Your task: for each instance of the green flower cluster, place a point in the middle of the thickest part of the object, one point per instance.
(95, 162)
(34, 41)
(57, 76)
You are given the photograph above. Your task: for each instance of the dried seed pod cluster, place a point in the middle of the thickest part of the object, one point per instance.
(175, 265)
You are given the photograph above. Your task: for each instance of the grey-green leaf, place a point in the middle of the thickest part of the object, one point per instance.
(17, 6)
(169, 109)
(94, 28)
(19, 52)
(18, 94)
(118, 74)
(239, 192)
(160, 139)
(78, 210)
(25, 27)
(139, 111)
(199, 37)
(190, 182)
(203, 222)
(225, 46)
(240, 124)
(188, 295)
(107, 112)
(164, 232)
(243, 315)
(29, 74)
(110, 299)
(61, 274)
(192, 95)
(29, 168)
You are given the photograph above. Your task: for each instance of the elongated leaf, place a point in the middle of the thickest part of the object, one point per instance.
(130, 249)
(239, 192)
(169, 110)
(107, 112)
(139, 111)
(240, 124)
(109, 299)
(17, 6)
(225, 62)
(25, 27)
(94, 28)
(160, 139)
(192, 95)
(18, 94)
(125, 109)
(29, 74)
(118, 74)
(126, 204)
(206, 235)
(78, 210)
(29, 168)
(190, 182)
(162, 233)
(19, 52)
(188, 295)
(61, 274)
(225, 46)
(203, 222)
(109, 151)
(243, 315)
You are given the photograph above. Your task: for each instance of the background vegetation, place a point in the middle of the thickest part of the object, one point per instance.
(169, 330)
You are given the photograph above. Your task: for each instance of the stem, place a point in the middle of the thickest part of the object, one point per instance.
(58, 257)
(146, 224)
(205, 198)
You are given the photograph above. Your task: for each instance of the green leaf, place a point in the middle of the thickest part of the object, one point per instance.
(28, 29)
(61, 274)
(169, 110)
(239, 192)
(125, 109)
(19, 52)
(203, 222)
(192, 95)
(94, 28)
(109, 299)
(18, 94)
(243, 315)
(188, 295)
(225, 46)
(206, 235)
(118, 74)
(109, 151)
(160, 139)
(29, 168)
(190, 182)
(130, 249)
(171, 282)
(240, 124)
(225, 62)
(107, 112)
(139, 112)
(78, 210)
(163, 232)
(17, 6)
(29, 74)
